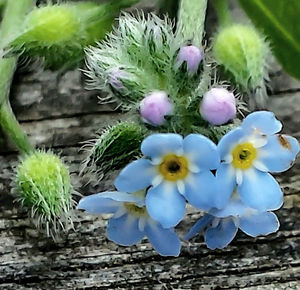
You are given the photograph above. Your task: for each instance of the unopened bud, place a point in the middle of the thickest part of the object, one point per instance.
(52, 24)
(218, 106)
(115, 77)
(155, 107)
(192, 55)
(114, 149)
(43, 182)
(241, 51)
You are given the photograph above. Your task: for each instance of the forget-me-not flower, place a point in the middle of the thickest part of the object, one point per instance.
(175, 169)
(221, 226)
(247, 154)
(130, 221)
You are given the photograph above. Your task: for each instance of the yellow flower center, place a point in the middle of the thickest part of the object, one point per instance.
(243, 155)
(135, 210)
(174, 167)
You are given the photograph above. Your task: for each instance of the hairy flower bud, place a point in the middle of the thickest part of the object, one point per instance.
(154, 107)
(218, 106)
(58, 33)
(52, 33)
(114, 78)
(43, 182)
(191, 55)
(52, 24)
(242, 52)
(115, 147)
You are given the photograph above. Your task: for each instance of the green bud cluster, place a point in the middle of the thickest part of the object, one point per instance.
(143, 49)
(58, 33)
(114, 148)
(140, 57)
(242, 52)
(43, 182)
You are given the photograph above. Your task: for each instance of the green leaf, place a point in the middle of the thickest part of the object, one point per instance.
(279, 21)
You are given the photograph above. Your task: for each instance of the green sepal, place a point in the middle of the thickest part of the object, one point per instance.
(241, 51)
(114, 148)
(44, 186)
(59, 33)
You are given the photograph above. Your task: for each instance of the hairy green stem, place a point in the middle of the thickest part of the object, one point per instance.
(14, 13)
(12, 129)
(191, 18)
(222, 10)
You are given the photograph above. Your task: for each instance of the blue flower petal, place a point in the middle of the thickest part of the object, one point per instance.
(259, 190)
(229, 140)
(98, 204)
(235, 207)
(165, 204)
(201, 151)
(124, 230)
(135, 176)
(219, 237)
(263, 223)
(200, 190)
(124, 197)
(198, 227)
(164, 241)
(157, 145)
(226, 182)
(279, 153)
(263, 121)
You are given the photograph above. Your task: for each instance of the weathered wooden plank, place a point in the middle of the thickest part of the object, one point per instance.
(87, 258)
(42, 96)
(81, 261)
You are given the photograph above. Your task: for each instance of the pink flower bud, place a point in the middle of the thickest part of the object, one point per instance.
(114, 78)
(192, 55)
(218, 106)
(154, 107)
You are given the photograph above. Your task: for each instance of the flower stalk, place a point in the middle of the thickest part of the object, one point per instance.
(191, 19)
(222, 10)
(13, 14)
(13, 130)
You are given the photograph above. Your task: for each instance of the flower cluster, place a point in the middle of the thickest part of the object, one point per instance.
(229, 182)
(156, 74)
(163, 80)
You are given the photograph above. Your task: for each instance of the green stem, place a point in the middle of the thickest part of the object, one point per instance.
(191, 18)
(222, 9)
(12, 129)
(14, 13)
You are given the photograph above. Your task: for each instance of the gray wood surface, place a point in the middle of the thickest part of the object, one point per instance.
(58, 113)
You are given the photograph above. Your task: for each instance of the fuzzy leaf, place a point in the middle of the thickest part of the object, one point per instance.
(278, 20)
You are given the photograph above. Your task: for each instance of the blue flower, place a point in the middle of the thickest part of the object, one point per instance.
(221, 226)
(176, 169)
(247, 154)
(130, 221)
